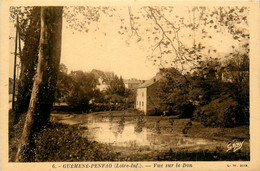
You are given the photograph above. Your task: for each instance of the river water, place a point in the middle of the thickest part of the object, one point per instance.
(120, 130)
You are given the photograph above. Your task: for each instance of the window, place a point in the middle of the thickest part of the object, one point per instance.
(139, 103)
(142, 103)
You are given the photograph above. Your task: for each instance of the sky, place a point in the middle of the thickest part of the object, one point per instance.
(104, 48)
(87, 51)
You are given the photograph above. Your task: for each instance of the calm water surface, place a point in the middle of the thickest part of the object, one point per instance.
(123, 131)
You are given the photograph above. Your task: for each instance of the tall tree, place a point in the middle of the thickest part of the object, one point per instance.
(31, 37)
(45, 79)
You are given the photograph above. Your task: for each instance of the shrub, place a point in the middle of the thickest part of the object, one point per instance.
(218, 113)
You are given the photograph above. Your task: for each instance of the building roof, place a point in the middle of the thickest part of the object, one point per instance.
(132, 81)
(150, 82)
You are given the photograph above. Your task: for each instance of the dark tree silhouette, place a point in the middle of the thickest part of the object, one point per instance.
(28, 60)
(45, 80)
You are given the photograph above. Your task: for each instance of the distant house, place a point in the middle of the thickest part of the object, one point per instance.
(147, 97)
(103, 78)
(133, 83)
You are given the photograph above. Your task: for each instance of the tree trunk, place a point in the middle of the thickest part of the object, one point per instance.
(45, 80)
(28, 63)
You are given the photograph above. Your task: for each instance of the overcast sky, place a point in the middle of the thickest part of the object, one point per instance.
(87, 51)
(107, 50)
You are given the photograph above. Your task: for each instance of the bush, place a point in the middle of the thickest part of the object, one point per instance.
(218, 113)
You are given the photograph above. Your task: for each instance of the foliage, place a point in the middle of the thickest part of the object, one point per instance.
(83, 88)
(130, 95)
(218, 103)
(238, 67)
(73, 89)
(218, 113)
(203, 91)
(164, 33)
(237, 62)
(63, 82)
(116, 91)
(25, 15)
(174, 91)
(116, 86)
(81, 149)
(50, 146)
(200, 25)
(166, 29)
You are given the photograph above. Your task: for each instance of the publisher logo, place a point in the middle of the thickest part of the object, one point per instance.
(235, 145)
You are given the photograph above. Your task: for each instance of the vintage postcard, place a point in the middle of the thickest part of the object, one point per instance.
(130, 85)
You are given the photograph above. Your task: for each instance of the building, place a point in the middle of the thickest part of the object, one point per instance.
(133, 83)
(103, 78)
(147, 97)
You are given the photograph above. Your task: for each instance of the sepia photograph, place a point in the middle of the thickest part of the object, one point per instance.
(129, 83)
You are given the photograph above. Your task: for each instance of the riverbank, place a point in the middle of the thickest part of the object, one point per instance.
(65, 139)
(58, 142)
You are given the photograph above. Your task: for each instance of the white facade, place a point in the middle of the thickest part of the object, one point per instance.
(102, 85)
(141, 99)
(147, 99)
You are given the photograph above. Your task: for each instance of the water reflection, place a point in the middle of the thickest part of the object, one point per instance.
(121, 124)
(187, 127)
(110, 116)
(140, 123)
(171, 120)
(118, 134)
(158, 127)
(122, 130)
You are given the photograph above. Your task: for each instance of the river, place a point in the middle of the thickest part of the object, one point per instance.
(124, 130)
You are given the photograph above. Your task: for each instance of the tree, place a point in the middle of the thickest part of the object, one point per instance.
(170, 31)
(165, 32)
(177, 38)
(222, 102)
(116, 86)
(218, 102)
(116, 90)
(174, 91)
(28, 58)
(63, 84)
(45, 79)
(237, 71)
(83, 88)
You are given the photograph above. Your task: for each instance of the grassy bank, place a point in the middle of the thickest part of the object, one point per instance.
(57, 142)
